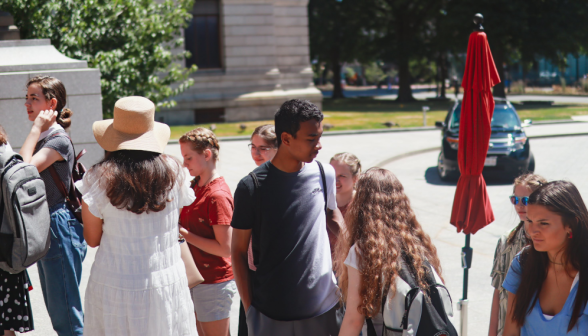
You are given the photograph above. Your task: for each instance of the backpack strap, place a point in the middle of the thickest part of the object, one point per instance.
(324, 179)
(58, 182)
(257, 222)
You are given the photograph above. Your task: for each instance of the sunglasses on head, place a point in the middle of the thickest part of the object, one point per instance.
(515, 200)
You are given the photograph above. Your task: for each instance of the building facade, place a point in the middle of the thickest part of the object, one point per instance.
(252, 55)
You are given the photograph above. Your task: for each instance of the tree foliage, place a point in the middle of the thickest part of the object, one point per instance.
(341, 31)
(521, 31)
(130, 41)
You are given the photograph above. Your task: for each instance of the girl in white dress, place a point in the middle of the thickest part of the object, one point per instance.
(131, 201)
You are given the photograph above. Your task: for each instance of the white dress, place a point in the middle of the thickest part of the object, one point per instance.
(138, 284)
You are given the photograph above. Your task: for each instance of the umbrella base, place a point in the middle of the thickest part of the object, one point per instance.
(462, 306)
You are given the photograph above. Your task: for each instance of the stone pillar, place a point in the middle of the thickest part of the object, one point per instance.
(8, 31)
(265, 61)
(21, 60)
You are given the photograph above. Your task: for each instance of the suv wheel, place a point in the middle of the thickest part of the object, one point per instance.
(441, 168)
(531, 167)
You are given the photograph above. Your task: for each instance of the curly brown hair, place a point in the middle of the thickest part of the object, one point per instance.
(3, 137)
(382, 225)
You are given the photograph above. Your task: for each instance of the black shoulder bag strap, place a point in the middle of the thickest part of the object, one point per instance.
(257, 222)
(324, 179)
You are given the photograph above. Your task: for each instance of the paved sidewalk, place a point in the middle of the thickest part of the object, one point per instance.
(235, 162)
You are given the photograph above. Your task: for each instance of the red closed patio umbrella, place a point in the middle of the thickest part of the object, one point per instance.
(471, 205)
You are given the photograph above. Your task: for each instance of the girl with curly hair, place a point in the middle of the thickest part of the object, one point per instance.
(381, 226)
(206, 227)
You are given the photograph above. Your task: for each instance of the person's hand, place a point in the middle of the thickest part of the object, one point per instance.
(183, 231)
(45, 119)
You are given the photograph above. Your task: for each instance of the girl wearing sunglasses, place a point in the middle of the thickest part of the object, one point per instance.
(508, 246)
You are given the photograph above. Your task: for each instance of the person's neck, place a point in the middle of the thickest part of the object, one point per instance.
(207, 176)
(559, 264)
(344, 199)
(285, 162)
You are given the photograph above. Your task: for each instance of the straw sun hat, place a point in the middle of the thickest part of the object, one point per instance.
(133, 127)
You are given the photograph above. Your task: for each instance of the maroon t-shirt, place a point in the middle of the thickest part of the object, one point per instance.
(213, 206)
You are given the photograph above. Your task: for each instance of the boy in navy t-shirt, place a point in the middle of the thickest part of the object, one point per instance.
(293, 291)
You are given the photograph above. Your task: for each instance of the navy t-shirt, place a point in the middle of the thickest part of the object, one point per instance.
(294, 278)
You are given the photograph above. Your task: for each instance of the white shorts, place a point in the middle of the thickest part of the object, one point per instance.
(212, 302)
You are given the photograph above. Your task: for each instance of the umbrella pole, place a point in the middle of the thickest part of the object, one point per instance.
(466, 263)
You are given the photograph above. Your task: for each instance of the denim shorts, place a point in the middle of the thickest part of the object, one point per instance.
(212, 302)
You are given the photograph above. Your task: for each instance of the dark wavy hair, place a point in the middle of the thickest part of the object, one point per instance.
(383, 226)
(138, 181)
(292, 113)
(54, 88)
(564, 199)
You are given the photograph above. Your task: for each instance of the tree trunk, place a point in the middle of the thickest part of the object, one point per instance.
(404, 89)
(337, 88)
(498, 55)
(443, 68)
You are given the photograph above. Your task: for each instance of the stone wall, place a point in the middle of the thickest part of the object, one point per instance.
(265, 57)
(21, 60)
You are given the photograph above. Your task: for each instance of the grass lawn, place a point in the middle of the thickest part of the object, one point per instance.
(366, 113)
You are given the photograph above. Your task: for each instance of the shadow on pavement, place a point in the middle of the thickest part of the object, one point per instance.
(432, 177)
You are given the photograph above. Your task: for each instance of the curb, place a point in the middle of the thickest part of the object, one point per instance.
(433, 149)
(383, 130)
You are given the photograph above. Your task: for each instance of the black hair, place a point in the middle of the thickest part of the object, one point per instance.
(292, 113)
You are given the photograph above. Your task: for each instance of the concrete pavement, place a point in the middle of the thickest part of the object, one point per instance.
(376, 149)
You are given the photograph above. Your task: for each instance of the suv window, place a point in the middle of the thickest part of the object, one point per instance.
(504, 118)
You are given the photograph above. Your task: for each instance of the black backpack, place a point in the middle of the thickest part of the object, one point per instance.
(425, 313)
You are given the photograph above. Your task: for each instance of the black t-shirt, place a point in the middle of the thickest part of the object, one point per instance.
(294, 278)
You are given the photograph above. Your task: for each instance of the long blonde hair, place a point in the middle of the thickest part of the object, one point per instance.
(383, 227)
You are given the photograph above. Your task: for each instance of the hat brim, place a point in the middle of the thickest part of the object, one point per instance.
(112, 140)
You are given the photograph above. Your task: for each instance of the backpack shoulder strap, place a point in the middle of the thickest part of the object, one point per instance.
(324, 179)
(58, 182)
(257, 221)
(6, 156)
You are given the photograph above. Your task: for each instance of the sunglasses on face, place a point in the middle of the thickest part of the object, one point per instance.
(515, 200)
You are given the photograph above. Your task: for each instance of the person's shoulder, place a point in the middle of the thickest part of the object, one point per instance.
(329, 170)
(220, 189)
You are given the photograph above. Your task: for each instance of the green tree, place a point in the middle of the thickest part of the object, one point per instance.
(340, 32)
(520, 30)
(130, 41)
(405, 30)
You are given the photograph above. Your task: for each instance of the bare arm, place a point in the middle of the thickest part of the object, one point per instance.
(494, 314)
(239, 247)
(353, 320)
(335, 225)
(92, 226)
(220, 246)
(510, 327)
(45, 157)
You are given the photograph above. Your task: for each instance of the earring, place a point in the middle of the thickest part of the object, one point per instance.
(570, 235)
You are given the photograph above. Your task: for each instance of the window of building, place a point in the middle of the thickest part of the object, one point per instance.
(203, 35)
(203, 116)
